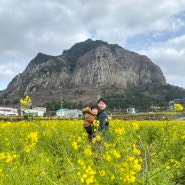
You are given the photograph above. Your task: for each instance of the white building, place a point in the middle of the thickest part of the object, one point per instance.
(7, 111)
(69, 113)
(62, 112)
(131, 110)
(36, 111)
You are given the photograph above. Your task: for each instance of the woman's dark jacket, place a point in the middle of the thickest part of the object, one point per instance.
(102, 117)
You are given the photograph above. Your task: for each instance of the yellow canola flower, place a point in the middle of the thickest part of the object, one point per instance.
(93, 141)
(27, 149)
(75, 145)
(167, 167)
(80, 162)
(183, 137)
(112, 177)
(28, 99)
(82, 180)
(33, 137)
(88, 151)
(119, 131)
(8, 157)
(131, 158)
(23, 102)
(79, 140)
(136, 151)
(116, 154)
(107, 157)
(2, 156)
(6, 125)
(84, 176)
(88, 177)
(90, 180)
(90, 171)
(130, 179)
(121, 170)
(96, 123)
(136, 166)
(98, 137)
(178, 107)
(102, 173)
(79, 173)
(135, 126)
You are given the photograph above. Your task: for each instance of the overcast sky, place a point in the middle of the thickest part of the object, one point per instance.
(155, 28)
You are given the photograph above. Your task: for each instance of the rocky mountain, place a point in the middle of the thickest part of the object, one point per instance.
(82, 73)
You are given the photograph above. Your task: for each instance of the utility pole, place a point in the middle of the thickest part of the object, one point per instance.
(4, 102)
(61, 102)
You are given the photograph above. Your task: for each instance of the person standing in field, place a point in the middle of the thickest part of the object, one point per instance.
(102, 116)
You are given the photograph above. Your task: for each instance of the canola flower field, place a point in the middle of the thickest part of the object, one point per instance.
(57, 152)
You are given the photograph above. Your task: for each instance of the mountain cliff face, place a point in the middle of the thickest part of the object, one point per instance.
(82, 72)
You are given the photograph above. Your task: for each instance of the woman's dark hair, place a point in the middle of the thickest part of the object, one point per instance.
(102, 100)
(94, 107)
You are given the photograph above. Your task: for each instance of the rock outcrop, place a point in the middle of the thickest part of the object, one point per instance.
(82, 72)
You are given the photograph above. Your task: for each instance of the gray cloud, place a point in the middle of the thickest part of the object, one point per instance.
(29, 27)
(170, 56)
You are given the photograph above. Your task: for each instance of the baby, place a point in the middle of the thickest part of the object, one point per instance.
(90, 115)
